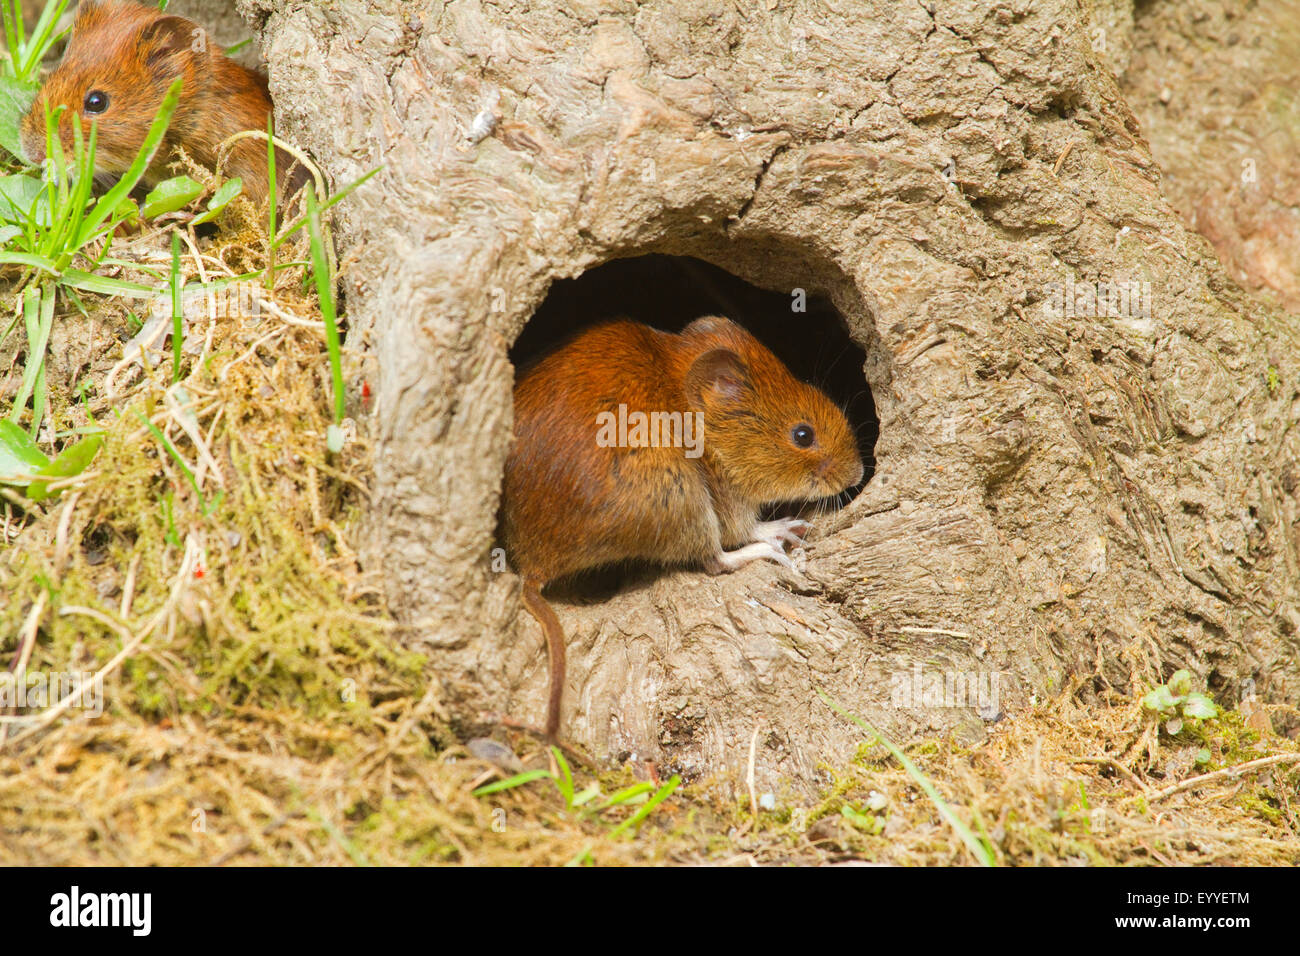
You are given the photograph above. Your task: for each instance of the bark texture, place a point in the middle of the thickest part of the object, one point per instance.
(1217, 86)
(227, 26)
(1054, 494)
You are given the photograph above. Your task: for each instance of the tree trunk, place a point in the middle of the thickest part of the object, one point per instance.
(1056, 494)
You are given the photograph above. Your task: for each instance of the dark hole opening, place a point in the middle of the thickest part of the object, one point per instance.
(669, 292)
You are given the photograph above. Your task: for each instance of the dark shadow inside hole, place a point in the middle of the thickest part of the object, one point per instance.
(669, 292)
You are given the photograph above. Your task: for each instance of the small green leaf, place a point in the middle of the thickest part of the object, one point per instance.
(867, 822)
(73, 460)
(1180, 685)
(17, 194)
(1202, 756)
(1159, 700)
(1200, 707)
(170, 195)
(20, 459)
(15, 98)
(220, 199)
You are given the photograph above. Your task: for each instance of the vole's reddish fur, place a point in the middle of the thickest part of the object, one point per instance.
(570, 504)
(132, 54)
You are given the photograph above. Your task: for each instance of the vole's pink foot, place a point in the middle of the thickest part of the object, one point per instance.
(782, 532)
(725, 561)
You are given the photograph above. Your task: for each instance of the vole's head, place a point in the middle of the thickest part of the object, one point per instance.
(120, 60)
(774, 437)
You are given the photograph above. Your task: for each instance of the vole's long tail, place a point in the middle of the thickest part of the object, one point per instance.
(541, 610)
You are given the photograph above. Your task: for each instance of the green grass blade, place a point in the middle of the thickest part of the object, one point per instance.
(583, 856)
(104, 285)
(38, 316)
(270, 179)
(175, 456)
(662, 794)
(518, 780)
(79, 198)
(351, 849)
(325, 292)
(27, 259)
(153, 139)
(626, 794)
(42, 38)
(178, 318)
(332, 200)
(979, 850)
(11, 16)
(565, 780)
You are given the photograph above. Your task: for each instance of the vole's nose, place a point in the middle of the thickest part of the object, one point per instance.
(828, 466)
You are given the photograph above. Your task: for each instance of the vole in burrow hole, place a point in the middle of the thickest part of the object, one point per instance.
(119, 63)
(572, 501)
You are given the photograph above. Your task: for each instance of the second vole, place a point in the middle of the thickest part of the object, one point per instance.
(120, 61)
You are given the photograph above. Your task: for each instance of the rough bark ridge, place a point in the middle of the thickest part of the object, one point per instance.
(1053, 493)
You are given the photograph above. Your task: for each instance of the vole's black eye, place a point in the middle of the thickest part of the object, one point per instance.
(96, 101)
(802, 435)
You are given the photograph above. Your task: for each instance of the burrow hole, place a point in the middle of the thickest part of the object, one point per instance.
(668, 293)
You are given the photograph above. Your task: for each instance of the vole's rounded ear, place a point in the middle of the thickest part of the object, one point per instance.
(169, 36)
(718, 377)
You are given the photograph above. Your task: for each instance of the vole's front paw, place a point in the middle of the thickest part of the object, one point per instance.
(782, 532)
(725, 561)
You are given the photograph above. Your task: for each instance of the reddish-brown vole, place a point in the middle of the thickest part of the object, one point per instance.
(120, 61)
(574, 500)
